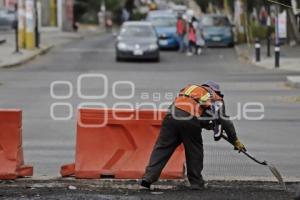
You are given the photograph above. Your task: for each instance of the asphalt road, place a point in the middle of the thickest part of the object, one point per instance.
(48, 143)
(114, 190)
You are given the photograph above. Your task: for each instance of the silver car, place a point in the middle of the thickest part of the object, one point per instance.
(7, 18)
(137, 40)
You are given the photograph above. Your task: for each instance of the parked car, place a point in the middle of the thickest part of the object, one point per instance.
(165, 27)
(157, 13)
(7, 18)
(217, 30)
(137, 40)
(179, 9)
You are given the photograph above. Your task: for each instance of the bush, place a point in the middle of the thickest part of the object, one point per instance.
(87, 11)
(138, 16)
(259, 31)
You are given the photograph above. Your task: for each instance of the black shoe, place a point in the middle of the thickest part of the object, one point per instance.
(187, 186)
(199, 187)
(145, 184)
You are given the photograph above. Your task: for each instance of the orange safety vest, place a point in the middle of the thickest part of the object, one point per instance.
(195, 99)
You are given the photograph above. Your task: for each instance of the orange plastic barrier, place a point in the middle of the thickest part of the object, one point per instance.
(11, 151)
(120, 149)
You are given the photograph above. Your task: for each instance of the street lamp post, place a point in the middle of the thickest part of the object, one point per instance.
(277, 40)
(16, 27)
(269, 32)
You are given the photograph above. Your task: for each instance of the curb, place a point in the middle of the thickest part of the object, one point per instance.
(293, 81)
(268, 179)
(126, 184)
(45, 50)
(29, 58)
(247, 57)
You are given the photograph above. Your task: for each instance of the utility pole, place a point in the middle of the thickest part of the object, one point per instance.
(16, 27)
(37, 33)
(30, 24)
(103, 14)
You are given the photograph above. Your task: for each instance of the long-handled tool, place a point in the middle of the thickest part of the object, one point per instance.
(272, 168)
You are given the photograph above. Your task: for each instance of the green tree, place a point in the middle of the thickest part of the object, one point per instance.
(87, 10)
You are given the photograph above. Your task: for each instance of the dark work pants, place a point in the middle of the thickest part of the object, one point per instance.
(172, 134)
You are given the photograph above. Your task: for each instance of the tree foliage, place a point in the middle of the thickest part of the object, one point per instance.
(86, 10)
(219, 3)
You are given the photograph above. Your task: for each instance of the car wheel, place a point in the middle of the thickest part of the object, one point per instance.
(157, 59)
(118, 59)
(231, 44)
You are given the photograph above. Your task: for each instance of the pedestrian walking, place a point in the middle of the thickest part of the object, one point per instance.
(108, 24)
(195, 108)
(192, 38)
(200, 42)
(181, 31)
(263, 16)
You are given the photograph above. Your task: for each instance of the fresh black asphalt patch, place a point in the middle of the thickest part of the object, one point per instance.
(130, 190)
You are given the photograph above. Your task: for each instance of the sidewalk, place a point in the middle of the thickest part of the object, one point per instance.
(50, 37)
(289, 60)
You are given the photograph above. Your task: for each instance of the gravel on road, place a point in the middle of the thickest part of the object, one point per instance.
(130, 190)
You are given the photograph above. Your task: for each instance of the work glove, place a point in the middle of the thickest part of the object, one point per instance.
(239, 146)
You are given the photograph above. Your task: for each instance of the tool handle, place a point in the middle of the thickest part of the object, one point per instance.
(246, 153)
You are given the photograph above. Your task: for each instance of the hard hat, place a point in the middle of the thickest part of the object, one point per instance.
(213, 85)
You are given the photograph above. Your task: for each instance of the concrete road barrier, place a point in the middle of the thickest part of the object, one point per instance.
(11, 151)
(118, 144)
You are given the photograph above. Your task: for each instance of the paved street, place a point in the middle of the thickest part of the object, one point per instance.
(120, 190)
(48, 144)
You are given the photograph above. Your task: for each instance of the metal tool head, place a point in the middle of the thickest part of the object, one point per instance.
(264, 163)
(278, 176)
(272, 168)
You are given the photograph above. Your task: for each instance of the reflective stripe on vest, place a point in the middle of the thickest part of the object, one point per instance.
(202, 99)
(190, 90)
(195, 99)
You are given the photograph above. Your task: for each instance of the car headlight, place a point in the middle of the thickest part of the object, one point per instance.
(153, 46)
(122, 46)
(163, 35)
(205, 34)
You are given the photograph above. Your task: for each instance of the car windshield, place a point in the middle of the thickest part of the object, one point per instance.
(163, 21)
(3, 13)
(215, 21)
(137, 31)
(7, 14)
